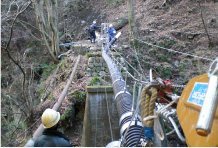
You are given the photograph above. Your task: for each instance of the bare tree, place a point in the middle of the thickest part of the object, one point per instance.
(131, 14)
(48, 25)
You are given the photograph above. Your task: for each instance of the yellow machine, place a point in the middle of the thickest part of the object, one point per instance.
(197, 109)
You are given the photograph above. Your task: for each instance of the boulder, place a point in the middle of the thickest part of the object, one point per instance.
(120, 22)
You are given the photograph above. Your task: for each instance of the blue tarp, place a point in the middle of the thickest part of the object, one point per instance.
(67, 44)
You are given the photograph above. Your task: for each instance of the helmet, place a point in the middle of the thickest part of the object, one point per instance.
(110, 26)
(50, 118)
(94, 22)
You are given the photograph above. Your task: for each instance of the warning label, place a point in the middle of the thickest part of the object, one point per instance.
(198, 94)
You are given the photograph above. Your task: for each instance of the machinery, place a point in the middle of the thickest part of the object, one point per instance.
(197, 109)
(193, 116)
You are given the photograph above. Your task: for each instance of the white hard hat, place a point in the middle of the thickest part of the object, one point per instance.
(50, 118)
(94, 22)
(110, 25)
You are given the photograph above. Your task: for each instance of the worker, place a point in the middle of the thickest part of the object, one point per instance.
(51, 137)
(111, 32)
(92, 31)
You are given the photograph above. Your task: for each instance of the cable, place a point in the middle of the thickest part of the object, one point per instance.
(133, 117)
(139, 136)
(129, 63)
(109, 115)
(177, 129)
(23, 132)
(174, 50)
(129, 72)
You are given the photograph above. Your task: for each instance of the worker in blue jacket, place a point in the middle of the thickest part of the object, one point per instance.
(51, 137)
(92, 31)
(111, 32)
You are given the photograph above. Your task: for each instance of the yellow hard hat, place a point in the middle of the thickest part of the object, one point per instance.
(50, 118)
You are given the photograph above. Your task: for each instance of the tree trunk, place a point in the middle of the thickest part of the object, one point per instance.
(131, 14)
(47, 28)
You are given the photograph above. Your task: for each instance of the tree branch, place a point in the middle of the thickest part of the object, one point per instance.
(6, 48)
(209, 40)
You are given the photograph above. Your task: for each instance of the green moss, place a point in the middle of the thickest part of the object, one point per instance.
(94, 81)
(66, 114)
(79, 95)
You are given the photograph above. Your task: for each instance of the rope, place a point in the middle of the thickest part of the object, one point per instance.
(150, 123)
(145, 99)
(174, 50)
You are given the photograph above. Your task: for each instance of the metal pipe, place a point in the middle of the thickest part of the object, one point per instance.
(206, 117)
(208, 109)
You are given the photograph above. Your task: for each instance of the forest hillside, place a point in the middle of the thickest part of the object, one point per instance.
(33, 77)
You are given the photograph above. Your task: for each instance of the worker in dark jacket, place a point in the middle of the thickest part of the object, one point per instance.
(111, 32)
(92, 31)
(51, 137)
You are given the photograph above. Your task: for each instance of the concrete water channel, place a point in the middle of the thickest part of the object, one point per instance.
(101, 122)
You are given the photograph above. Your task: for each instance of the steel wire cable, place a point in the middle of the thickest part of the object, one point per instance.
(23, 133)
(129, 64)
(144, 82)
(133, 117)
(109, 118)
(187, 54)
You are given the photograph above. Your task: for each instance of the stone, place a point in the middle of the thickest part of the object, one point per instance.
(102, 60)
(120, 22)
(176, 64)
(96, 65)
(92, 48)
(88, 75)
(98, 69)
(94, 69)
(213, 20)
(122, 60)
(184, 35)
(89, 69)
(79, 49)
(97, 60)
(102, 73)
(91, 60)
(28, 51)
(106, 70)
(91, 65)
(83, 22)
(94, 74)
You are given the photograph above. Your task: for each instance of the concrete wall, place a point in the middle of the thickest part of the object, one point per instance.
(96, 126)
